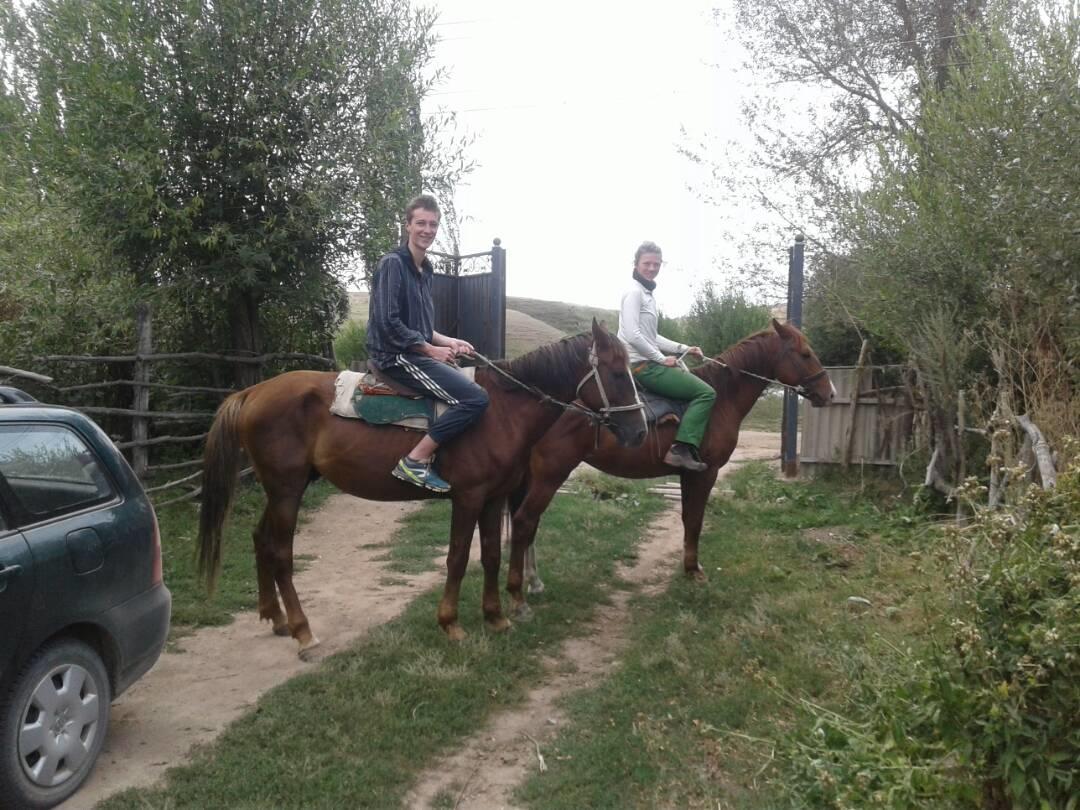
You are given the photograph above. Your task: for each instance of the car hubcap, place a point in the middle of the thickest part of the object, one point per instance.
(59, 725)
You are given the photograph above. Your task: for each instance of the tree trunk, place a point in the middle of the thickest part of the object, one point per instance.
(247, 338)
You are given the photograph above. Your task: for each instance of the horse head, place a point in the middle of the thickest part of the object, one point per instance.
(609, 389)
(798, 366)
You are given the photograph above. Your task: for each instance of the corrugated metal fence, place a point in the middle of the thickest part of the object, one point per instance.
(883, 417)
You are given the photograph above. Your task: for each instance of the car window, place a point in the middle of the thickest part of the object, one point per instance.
(49, 470)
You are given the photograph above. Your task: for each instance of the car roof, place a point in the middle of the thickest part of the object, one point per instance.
(40, 412)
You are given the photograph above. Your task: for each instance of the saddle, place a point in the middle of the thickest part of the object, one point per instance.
(661, 410)
(379, 400)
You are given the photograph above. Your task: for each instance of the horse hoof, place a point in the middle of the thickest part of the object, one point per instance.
(455, 632)
(281, 629)
(697, 574)
(309, 652)
(499, 625)
(522, 612)
(536, 586)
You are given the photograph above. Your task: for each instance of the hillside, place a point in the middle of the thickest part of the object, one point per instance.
(569, 318)
(529, 322)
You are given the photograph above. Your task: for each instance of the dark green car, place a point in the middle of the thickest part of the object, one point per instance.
(83, 609)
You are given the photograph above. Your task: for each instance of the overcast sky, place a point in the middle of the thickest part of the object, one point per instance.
(578, 109)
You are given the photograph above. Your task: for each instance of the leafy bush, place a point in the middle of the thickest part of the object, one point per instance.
(1013, 699)
(351, 344)
(718, 320)
(991, 717)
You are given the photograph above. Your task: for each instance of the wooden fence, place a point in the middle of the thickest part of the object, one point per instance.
(146, 428)
(871, 420)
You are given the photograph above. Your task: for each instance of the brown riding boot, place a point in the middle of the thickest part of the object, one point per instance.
(684, 456)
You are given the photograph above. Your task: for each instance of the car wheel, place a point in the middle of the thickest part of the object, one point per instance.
(52, 725)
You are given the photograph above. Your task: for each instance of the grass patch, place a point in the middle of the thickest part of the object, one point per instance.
(357, 729)
(767, 413)
(237, 588)
(712, 682)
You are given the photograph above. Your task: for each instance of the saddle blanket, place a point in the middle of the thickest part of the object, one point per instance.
(660, 409)
(359, 395)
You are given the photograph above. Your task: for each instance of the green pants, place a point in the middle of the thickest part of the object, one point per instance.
(674, 383)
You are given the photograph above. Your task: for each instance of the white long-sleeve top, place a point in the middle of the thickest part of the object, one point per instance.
(638, 318)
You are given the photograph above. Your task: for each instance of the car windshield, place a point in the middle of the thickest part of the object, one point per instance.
(50, 470)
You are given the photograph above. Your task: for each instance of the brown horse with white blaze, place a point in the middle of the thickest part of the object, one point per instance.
(285, 426)
(739, 375)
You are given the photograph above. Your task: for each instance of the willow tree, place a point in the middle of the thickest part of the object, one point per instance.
(242, 156)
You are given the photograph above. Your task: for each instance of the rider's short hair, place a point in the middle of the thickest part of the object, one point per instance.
(646, 247)
(421, 201)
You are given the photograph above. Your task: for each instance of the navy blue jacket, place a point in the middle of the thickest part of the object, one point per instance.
(401, 314)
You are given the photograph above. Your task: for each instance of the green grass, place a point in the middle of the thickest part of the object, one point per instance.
(236, 589)
(707, 693)
(569, 318)
(356, 730)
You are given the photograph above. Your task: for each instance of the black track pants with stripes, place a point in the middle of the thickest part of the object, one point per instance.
(466, 399)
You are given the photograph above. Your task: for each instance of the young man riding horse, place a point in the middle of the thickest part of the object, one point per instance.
(404, 345)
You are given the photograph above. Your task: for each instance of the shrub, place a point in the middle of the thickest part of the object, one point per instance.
(991, 717)
(350, 344)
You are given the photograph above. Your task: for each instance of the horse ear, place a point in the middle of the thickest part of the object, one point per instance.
(599, 332)
(781, 329)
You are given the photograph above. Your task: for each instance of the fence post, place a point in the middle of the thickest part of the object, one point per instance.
(498, 271)
(140, 427)
(789, 435)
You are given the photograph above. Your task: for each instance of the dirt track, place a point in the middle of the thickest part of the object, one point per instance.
(218, 673)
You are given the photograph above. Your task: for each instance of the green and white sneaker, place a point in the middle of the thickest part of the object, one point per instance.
(421, 474)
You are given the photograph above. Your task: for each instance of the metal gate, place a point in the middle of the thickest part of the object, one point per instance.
(470, 298)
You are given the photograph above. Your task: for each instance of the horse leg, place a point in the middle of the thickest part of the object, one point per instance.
(695, 494)
(281, 512)
(265, 564)
(462, 524)
(491, 557)
(534, 584)
(541, 490)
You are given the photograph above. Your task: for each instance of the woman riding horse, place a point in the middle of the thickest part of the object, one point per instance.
(738, 376)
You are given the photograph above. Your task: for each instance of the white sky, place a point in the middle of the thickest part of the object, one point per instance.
(578, 110)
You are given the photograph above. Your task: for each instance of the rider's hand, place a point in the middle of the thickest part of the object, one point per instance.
(443, 354)
(461, 346)
(670, 361)
(696, 351)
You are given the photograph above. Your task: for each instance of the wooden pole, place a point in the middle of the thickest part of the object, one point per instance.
(140, 427)
(856, 386)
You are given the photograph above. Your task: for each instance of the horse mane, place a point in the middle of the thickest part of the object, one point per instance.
(750, 354)
(551, 367)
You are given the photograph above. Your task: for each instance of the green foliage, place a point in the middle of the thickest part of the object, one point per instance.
(1013, 692)
(351, 344)
(718, 320)
(980, 216)
(988, 713)
(235, 158)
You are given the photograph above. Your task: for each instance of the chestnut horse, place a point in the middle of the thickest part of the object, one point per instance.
(285, 426)
(739, 375)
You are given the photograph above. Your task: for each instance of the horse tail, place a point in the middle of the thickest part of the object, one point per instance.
(221, 466)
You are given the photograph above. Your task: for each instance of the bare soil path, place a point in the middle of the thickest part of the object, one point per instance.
(217, 673)
(486, 768)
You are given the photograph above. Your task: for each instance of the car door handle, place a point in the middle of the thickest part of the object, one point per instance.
(9, 570)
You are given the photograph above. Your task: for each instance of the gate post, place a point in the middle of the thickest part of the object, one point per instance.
(498, 272)
(789, 436)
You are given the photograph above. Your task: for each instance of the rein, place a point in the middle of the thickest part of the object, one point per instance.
(597, 418)
(799, 389)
